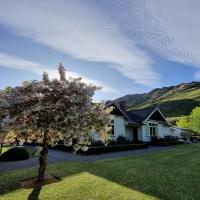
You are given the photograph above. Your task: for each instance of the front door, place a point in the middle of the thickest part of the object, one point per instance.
(135, 134)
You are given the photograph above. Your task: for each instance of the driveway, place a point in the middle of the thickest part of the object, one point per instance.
(55, 156)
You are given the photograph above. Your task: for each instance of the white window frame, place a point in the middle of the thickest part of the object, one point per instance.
(112, 124)
(153, 129)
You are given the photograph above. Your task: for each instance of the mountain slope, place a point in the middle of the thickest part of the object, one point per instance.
(174, 101)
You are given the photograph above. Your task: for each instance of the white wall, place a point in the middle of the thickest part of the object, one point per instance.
(143, 131)
(167, 130)
(129, 133)
(162, 131)
(177, 131)
(140, 133)
(119, 127)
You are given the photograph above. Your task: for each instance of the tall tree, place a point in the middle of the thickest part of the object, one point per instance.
(183, 122)
(194, 123)
(48, 111)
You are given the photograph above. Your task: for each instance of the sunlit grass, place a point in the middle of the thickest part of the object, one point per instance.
(5, 148)
(173, 174)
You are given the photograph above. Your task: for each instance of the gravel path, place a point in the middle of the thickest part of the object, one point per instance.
(55, 156)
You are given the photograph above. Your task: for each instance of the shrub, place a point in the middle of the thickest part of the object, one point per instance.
(167, 138)
(122, 140)
(168, 143)
(195, 137)
(138, 142)
(162, 140)
(154, 139)
(15, 154)
(170, 138)
(186, 135)
(98, 143)
(112, 142)
(62, 147)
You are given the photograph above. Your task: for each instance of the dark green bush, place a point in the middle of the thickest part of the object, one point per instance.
(97, 143)
(112, 142)
(62, 147)
(168, 143)
(154, 139)
(122, 140)
(15, 154)
(195, 137)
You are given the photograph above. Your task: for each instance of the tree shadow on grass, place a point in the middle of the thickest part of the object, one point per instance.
(34, 194)
(158, 174)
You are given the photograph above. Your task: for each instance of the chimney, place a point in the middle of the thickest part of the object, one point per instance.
(123, 105)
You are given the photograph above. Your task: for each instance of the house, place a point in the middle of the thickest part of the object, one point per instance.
(184, 132)
(139, 125)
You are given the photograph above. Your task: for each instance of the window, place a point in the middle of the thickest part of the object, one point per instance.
(153, 129)
(112, 125)
(112, 131)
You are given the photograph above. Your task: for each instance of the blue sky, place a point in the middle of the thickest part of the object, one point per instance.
(126, 46)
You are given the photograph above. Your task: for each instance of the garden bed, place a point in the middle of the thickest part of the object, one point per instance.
(34, 183)
(168, 143)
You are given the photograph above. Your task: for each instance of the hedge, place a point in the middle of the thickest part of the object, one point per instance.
(113, 148)
(15, 154)
(169, 143)
(195, 137)
(62, 147)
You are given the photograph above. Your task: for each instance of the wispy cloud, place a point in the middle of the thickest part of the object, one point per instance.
(82, 30)
(21, 64)
(171, 29)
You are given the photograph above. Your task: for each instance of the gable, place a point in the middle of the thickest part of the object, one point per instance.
(117, 112)
(157, 116)
(140, 115)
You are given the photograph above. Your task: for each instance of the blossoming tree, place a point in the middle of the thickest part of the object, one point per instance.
(49, 111)
(6, 135)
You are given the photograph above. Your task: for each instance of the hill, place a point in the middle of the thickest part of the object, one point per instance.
(174, 101)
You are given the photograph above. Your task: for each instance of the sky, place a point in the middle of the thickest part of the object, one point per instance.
(125, 46)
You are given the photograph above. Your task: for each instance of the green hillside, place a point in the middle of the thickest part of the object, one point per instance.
(174, 101)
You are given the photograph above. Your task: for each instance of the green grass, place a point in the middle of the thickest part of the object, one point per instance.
(5, 149)
(173, 175)
(173, 101)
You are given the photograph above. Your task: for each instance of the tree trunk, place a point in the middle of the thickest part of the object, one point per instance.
(43, 158)
(1, 148)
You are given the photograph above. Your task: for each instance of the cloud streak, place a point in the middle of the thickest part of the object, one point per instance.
(82, 30)
(110, 31)
(171, 29)
(21, 64)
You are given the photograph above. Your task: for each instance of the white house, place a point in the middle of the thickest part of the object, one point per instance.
(139, 125)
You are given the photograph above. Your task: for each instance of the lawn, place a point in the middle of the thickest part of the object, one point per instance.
(173, 175)
(5, 148)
